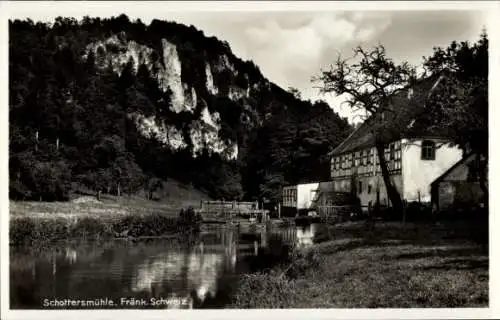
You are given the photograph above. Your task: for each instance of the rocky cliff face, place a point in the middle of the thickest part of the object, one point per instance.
(120, 106)
(204, 132)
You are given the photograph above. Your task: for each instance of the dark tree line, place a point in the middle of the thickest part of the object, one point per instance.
(71, 126)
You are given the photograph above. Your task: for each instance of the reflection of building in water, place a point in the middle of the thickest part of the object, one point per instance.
(287, 235)
(156, 270)
(305, 235)
(263, 238)
(230, 250)
(202, 273)
(194, 270)
(70, 255)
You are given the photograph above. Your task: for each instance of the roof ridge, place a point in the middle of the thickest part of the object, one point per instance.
(349, 136)
(437, 79)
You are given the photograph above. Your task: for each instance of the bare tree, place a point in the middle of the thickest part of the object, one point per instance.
(370, 81)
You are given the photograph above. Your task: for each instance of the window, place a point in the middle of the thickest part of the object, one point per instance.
(369, 188)
(356, 159)
(397, 148)
(370, 157)
(392, 151)
(428, 150)
(360, 187)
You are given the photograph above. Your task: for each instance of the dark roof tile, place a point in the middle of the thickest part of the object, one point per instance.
(405, 112)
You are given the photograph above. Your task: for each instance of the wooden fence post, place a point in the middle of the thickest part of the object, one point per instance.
(404, 212)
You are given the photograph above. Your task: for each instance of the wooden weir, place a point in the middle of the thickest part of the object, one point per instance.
(228, 210)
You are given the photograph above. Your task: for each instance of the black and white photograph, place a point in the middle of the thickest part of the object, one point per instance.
(166, 156)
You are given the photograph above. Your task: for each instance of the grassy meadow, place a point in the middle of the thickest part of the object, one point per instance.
(85, 217)
(390, 266)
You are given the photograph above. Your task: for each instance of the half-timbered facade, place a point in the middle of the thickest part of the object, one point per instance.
(413, 162)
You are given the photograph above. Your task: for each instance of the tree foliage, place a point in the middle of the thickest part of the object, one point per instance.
(72, 127)
(460, 104)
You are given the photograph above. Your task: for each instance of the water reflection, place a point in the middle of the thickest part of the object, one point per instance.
(203, 272)
(196, 269)
(305, 235)
(71, 255)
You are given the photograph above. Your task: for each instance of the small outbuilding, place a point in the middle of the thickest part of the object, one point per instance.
(458, 188)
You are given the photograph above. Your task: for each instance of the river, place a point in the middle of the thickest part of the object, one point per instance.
(199, 272)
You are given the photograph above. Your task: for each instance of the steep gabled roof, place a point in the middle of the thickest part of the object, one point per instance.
(400, 115)
(465, 160)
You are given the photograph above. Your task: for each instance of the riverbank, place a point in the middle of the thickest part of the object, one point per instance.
(108, 206)
(32, 222)
(391, 266)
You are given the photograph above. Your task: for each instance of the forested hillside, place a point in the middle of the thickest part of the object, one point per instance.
(120, 106)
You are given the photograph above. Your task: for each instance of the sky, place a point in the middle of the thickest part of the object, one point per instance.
(291, 44)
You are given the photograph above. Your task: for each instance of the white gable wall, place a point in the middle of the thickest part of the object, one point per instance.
(418, 174)
(305, 194)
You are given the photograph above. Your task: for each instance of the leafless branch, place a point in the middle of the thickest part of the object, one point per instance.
(370, 82)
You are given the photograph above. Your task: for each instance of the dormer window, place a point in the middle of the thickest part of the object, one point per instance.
(428, 150)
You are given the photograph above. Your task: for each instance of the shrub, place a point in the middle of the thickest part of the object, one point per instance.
(26, 230)
(21, 230)
(89, 227)
(301, 262)
(264, 290)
